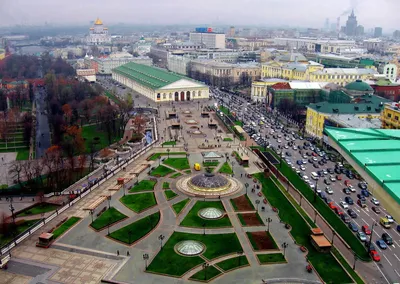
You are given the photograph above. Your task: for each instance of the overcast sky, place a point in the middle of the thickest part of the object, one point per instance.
(304, 13)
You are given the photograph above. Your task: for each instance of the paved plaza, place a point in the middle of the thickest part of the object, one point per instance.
(83, 255)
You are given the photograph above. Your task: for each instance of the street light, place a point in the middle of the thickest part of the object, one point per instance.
(246, 185)
(284, 246)
(159, 160)
(91, 213)
(161, 238)
(204, 228)
(145, 258)
(372, 233)
(355, 260)
(108, 226)
(269, 220)
(109, 200)
(130, 235)
(205, 265)
(168, 152)
(257, 202)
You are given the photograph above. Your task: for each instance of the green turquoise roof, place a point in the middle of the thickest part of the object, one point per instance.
(151, 77)
(375, 150)
(359, 86)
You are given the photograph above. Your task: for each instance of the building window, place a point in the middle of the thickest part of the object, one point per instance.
(170, 95)
(389, 115)
(396, 117)
(199, 93)
(158, 96)
(164, 96)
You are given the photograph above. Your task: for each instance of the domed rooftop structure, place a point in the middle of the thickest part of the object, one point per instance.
(98, 22)
(189, 248)
(209, 181)
(359, 86)
(211, 213)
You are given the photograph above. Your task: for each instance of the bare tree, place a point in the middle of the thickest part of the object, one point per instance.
(16, 172)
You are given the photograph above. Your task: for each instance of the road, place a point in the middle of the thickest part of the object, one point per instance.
(389, 265)
(43, 139)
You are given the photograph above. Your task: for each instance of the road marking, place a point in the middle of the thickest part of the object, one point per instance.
(364, 221)
(397, 273)
(356, 223)
(382, 273)
(396, 243)
(387, 260)
(396, 257)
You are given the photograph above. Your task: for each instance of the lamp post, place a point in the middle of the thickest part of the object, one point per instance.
(109, 200)
(284, 246)
(246, 185)
(145, 258)
(12, 211)
(168, 152)
(108, 226)
(226, 157)
(269, 220)
(372, 233)
(315, 191)
(257, 202)
(91, 213)
(205, 265)
(204, 228)
(159, 160)
(161, 238)
(355, 260)
(130, 236)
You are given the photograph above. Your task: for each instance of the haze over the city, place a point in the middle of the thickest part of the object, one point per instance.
(305, 13)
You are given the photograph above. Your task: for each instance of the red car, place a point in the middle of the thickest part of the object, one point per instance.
(346, 182)
(375, 256)
(339, 177)
(338, 211)
(366, 230)
(314, 154)
(332, 205)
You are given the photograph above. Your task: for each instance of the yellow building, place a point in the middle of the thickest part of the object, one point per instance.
(367, 108)
(390, 116)
(2, 54)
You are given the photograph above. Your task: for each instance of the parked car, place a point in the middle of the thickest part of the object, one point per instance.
(346, 191)
(375, 201)
(374, 255)
(362, 185)
(366, 230)
(339, 177)
(370, 245)
(353, 227)
(349, 200)
(345, 218)
(352, 213)
(327, 181)
(338, 211)
(387, 239)
(344, 205)
(328, 190)
(376, 209)
(381, 243)
(362, 236)
(361, 203)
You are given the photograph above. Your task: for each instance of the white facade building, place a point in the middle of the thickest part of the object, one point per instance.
(210, 40)
(98, 34)
(104, 65)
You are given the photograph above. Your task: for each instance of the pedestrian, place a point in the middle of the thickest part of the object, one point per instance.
(241, 175)
(117, 252)
(127, 253)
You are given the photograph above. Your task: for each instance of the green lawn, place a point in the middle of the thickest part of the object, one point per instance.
(107, 218)
(271, 258)
(188, 172)
(254, 245)
(4, 239)
(347, 266)
(325, 264)
(155, 156)
(192, 219)
(139, 202)
(175, 175)
(180, 205)
(65, 226)
(165, 185)
(210, 164)
(216, 245)
(338, 225)
(232, 263)
(177, 163)
(23, 154)
(112, 97)
(225, 169)
(135, 231)
(161, 171)
(144, 185)
(91, 131)
(228, 139)
(206, 274)
(169, 143)
(169, 194)
(38, 209)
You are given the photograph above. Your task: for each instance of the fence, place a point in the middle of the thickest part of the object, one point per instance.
(6, 249)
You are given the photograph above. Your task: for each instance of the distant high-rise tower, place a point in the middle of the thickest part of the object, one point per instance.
(351, 24)
(360, 30)
(396, 34)
(231, 31)
(378, 32)
(326, 26)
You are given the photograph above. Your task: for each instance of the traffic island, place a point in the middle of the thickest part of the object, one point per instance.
(177, 163)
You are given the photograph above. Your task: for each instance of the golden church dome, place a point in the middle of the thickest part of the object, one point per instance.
(98, 22)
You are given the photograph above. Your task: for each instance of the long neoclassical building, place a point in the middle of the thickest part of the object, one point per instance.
(158, 84)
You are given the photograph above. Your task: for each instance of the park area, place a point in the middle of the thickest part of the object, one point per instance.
(177, 163)
(161, 171)
(96, 135)
(193, 219)
(139, 202)
(262, 240)
(250, 219)
(12, 140)
(225, 169)
(38, 209)
(178, 207)
(242, 203)
(107, 218)
(143, 185)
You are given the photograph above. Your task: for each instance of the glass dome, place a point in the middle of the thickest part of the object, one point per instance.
(211, 213)
(189, 248)
(209, 180)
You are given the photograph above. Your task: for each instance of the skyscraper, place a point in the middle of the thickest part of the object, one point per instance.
(378, 32)
(351, 24)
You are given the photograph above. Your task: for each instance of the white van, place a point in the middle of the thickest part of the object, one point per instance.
(314, 175)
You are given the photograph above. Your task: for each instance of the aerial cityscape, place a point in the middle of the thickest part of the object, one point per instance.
(215, 142)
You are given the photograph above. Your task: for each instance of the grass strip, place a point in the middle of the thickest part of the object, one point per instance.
(107, 218)
(65, 226)
(180, 205)
(139, 202)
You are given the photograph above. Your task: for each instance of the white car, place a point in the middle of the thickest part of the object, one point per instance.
(303, 168)
(390, 219)
(375, 201)
(286, 147)
(313, 186)
(332, 178)
(344, 205)
(305, 178)
(279, 141)
(328, 190)
(352, 189)
(315, 159)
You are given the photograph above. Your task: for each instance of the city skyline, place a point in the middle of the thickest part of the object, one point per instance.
(269, 13)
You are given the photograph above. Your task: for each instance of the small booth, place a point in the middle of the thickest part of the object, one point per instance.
(319, 241)
(205, 114)
(175, 125)
(170, 114)
(212, 123)
(45, 240)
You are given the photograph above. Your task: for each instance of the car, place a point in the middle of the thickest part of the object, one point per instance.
(329, 170)
(360, 196)
(322, 195)
(353, 227)
(370, 245)
(327, 181)
(374, 255)
(387, 238)
(339, 177)
(375, 201)
(316, 165)
(279, 141)
(362, 185)
(310, 161)
(299, 162)
(314, 159)
(366, 230)
(376, 209)
(347, 183)
(365, 193)
(346, 191)
(344, 205)
(328, 200)
(345, 218)
(328, 190)
(362, 236)
(349, 200)
(352, 213)
(361, 203)
(338, 211)
(303, 168)
(381, 243)
(390, 218)
(332, 205)
(332, 178)
(398, 228)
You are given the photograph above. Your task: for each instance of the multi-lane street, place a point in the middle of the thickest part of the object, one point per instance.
(289, 145)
